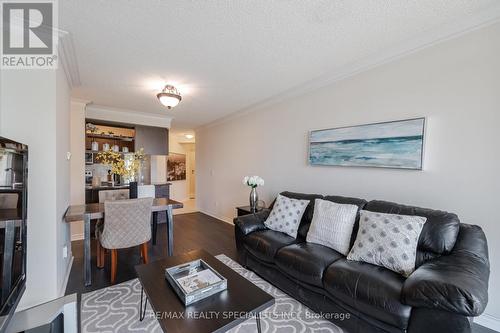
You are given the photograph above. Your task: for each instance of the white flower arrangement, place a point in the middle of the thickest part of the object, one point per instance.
(253, 181)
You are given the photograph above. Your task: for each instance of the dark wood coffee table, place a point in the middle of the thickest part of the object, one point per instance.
(218, 313)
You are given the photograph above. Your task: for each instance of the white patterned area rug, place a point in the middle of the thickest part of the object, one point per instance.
(116, 309)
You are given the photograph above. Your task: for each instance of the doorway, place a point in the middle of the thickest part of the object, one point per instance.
(191, 166)
(186, 189)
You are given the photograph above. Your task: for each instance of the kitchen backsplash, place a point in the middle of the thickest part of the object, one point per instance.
(99, 170)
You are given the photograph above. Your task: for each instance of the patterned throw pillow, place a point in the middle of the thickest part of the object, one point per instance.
(332, 225)
(286, 214)
(388, 240)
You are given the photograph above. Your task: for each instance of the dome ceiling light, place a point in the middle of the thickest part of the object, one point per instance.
(169, 96)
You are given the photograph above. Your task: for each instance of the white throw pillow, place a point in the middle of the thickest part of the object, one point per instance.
(286, 214)
(388, 240)
(332, 225)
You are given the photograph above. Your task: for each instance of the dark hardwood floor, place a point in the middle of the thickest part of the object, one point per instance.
(191, 231)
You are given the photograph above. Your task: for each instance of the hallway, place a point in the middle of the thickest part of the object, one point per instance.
(189, 207)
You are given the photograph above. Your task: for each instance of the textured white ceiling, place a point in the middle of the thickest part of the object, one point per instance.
(228, 55)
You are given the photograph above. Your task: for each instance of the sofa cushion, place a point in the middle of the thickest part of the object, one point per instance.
(286, 215)
(361, 203)
(332, 225)
(438, 235)
(388, 240)
(308, 214)
(457, 282)
(251, 222)
(346, 200)
(306, 262)
(374, 291)
(264, 244)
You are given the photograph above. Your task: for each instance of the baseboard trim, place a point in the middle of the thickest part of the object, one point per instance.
(489, 321)
(222, 218)
(75, 237)
(66, 277)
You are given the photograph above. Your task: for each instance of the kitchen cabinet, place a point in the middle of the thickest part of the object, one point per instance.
(154, 140)
(122, 137)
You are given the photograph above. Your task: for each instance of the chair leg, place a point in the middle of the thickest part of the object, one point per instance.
(154, 227)
(114, 263)
(98, 254)
(144, 252)
(103, 256)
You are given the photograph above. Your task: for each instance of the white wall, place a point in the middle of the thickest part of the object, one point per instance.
(77, 163)
(62, 145)
(34, 106)
(455, 85)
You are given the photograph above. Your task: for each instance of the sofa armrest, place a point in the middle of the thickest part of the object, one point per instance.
(252, 222)
(457, 282)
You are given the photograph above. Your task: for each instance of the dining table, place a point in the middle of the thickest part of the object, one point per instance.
(92, 212)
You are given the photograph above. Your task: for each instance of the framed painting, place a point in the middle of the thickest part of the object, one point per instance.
(176, 167)
(393, 144)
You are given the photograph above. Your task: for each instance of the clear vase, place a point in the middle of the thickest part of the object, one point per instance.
(254, 198)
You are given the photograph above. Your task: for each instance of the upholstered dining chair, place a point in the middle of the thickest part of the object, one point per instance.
(126, 224)
(113, 195)
(105, 195)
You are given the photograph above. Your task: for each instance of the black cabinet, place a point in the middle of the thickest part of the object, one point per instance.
(92, 194)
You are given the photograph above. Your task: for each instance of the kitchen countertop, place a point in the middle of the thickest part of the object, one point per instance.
(115, 187)
(106, 187)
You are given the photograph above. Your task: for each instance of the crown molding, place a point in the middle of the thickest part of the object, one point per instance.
(400, 50)
(67, 58)
(80, 101)
(107, 113)
(66, 55)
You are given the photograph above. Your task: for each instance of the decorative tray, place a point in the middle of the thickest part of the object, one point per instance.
(194, 281)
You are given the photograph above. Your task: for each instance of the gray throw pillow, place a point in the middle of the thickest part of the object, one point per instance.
(332, 225)
(388, 240)
(286, 215)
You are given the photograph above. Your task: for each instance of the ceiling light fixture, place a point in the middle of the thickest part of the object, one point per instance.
(189, 136)
(169, 96)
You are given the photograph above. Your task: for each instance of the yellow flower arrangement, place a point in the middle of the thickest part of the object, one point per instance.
(119, 166)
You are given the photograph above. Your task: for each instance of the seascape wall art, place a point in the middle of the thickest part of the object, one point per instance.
(395, 144)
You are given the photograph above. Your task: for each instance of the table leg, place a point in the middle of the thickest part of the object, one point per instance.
(87, 263)
(154, 227)
(142, 311)
(257, 318)
(170, 232)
